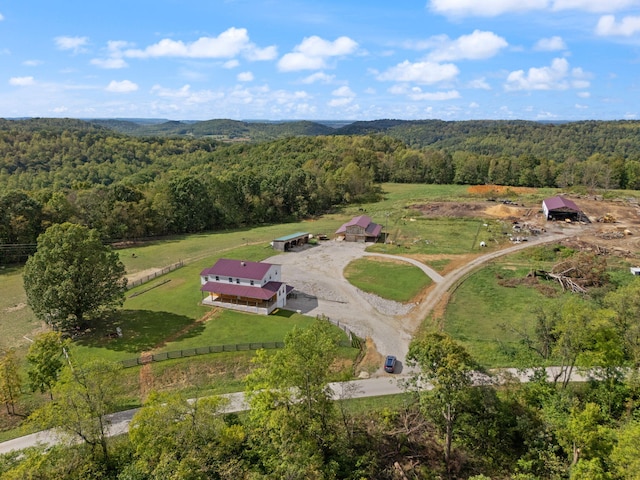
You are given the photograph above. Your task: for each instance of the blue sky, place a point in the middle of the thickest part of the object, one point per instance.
(321, 60)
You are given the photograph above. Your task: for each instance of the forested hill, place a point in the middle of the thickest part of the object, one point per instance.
(129, 186)
(227, 130)
(483, 137)
(513, 138)
(509, 138)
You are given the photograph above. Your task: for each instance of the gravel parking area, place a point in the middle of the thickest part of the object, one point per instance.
(316, 273)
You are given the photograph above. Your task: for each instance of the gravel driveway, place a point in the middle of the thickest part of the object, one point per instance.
(316, 273)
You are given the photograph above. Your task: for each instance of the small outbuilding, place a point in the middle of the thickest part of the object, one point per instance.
(635, 270)
(286, 243)
(561, 208)
(360, 229)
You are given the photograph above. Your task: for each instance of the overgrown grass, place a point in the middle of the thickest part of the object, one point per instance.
(486, 317)
(388, 279)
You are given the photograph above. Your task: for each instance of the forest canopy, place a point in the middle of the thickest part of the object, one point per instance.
(125, 186)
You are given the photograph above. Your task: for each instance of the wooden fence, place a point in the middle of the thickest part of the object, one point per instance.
(155, 274)
(191, 352)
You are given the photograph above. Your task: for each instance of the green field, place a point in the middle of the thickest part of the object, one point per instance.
(386, 278)
(167, 313)
(198, 251)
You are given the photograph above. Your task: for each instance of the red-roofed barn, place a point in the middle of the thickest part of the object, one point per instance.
(247, 286)
(360, 229)
(560, 208)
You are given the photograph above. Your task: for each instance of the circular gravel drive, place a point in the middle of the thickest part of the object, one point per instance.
(316, 273)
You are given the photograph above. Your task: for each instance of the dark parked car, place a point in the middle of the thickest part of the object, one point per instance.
(390, 364)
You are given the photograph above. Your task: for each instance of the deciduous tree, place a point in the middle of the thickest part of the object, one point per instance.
(446, 367)
(292, 413)
(45, 357)
(10, 381)
(84, 395)
(72, 275)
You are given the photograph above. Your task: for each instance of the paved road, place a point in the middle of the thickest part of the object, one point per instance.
(373, 387)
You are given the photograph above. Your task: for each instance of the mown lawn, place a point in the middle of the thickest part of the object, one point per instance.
(387, 278)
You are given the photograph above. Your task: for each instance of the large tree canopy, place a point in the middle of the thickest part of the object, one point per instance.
(71, 275)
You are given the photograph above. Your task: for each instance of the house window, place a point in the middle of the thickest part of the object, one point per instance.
(206, 278)
(217, 278)
(230, 280)
(251, 282)
(237, 280)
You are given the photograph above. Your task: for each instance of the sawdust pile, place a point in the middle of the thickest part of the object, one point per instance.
(503, 211)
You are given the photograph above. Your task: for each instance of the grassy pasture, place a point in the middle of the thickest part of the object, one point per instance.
(17, 320)
(386, 278)
(484, 316)
(488, 313)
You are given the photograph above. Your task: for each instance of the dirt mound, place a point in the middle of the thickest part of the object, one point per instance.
(503, 211)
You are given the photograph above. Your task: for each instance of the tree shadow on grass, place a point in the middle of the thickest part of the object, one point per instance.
(142, 330)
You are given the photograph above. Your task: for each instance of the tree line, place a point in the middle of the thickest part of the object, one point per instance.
(131, 187)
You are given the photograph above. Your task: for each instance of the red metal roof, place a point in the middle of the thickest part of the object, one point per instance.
(558, 202)
(374, 229)
(261, 293)
(226, 267)
(363, 221)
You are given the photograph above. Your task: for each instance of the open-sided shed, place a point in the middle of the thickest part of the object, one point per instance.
(561, 208)
(284, 244)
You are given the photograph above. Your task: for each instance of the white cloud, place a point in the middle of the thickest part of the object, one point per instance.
(1, 17)
(480, 84)
(254, 54)
(112, 63)
(114, 58)
(434, 96)
(340, 102)
(493, 8)
(420, 72)
(628, 26)
(584, 94)
(596, 6)
(550, 44)
(32, 63)
(320, 77)
(185, 95)
(487, 8)
(557, 76)
(245, 77)
(581, 107)
(182, 92)
(228, 44)
(21, 81)
(76, 44)
(313, 53)
(125, 86)
(231, 64)
(343, 91)
(344, 96)
(478, 45)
